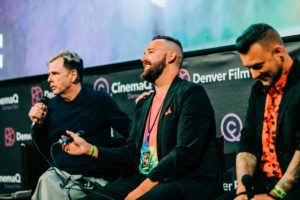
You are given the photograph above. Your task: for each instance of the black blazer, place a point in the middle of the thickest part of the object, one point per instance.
(186, 141)
(288, 126)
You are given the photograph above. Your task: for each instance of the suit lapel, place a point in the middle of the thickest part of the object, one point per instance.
(260, 115)
(288, 92)
(143, 117)
(283, 105)
(170, 94)
(146, 106)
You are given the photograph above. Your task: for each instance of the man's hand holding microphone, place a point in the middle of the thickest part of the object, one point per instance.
(38, 111)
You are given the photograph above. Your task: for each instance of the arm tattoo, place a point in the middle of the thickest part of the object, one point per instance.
(292, 174)
(245, 164)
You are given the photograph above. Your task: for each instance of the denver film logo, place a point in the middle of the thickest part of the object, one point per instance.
(1, 55)
(101, 84)
(231, 127)
(9, 137)
(184, 74)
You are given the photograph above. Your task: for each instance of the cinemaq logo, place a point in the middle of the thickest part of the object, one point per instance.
(10, 102)
(9, 137)
(121, 87)
(184, 74)
(101, 84)
(231, 127)
(16, 178)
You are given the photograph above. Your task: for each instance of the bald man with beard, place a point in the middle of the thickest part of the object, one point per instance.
(172, 143)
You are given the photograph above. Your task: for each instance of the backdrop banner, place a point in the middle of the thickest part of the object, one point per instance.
(226, 81)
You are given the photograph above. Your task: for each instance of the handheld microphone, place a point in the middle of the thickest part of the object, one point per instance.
(44, 100)
(247, 181)
(70, 139)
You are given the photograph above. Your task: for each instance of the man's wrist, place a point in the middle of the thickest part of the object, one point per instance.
(240, 193)
(270, 194)
(240, 189)
(278, 193)
(92, 151)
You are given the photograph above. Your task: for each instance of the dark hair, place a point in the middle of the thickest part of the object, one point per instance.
(71, 61)
(177, 42)
(256, 33)
(168, 38)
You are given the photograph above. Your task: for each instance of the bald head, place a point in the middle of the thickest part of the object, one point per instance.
(172, 45)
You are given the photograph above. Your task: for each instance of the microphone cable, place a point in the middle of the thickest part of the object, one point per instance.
(33, 127)
(54, 166)
(65, 180)
(37, 148)
(45, 101)
(63, 140)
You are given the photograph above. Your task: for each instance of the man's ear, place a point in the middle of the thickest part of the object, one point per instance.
(278, 49)
(74, 78)
(171, 57)
(278, 52)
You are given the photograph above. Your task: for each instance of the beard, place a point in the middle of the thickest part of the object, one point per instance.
(278, 75)
(154, 71)
(270, 79)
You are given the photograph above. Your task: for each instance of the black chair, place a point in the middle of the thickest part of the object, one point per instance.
(33, 166)
(220, 152)
(20, 195)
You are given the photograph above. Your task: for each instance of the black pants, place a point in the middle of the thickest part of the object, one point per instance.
(122, 187)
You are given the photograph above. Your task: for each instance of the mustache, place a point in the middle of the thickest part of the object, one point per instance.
(147, 63)
(263, 76)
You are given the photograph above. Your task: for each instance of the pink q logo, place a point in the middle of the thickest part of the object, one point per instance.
(231, 127)
(9, 137)
(36, 94)
(184, 74)
(101, 84)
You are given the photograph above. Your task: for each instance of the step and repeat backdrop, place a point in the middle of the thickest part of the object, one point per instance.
(226, 81)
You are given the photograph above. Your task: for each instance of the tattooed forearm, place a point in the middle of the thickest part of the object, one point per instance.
(245, 164)
(292, 174)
